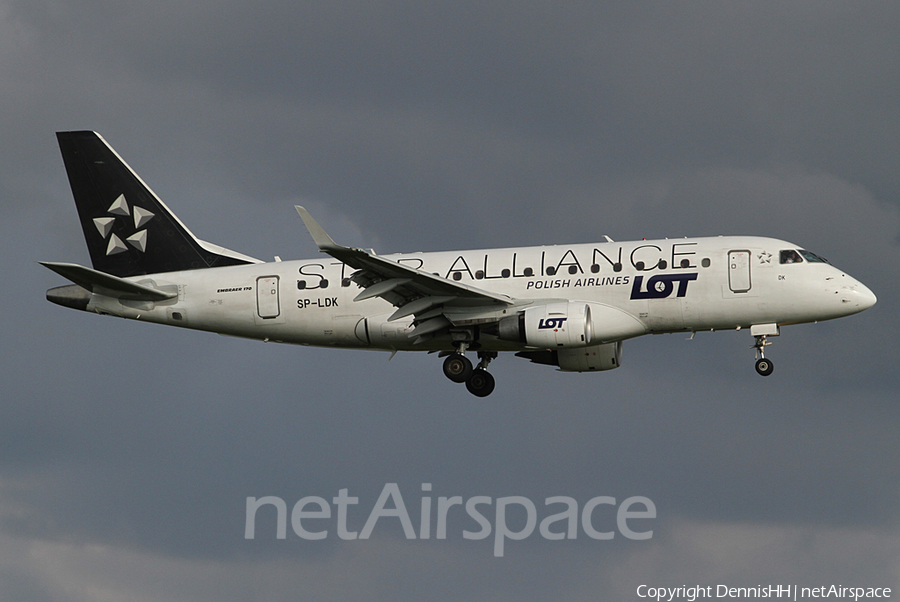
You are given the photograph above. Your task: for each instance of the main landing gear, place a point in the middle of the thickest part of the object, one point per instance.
(763, 365)
(458, 368)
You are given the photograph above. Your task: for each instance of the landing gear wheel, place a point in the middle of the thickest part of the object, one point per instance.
(764, 366)
(457, 368)
(481, 383)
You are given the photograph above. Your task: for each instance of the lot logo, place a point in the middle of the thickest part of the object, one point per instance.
(660, 287)
(546, 323)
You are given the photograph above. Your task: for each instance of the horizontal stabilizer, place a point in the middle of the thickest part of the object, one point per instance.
(105, 284)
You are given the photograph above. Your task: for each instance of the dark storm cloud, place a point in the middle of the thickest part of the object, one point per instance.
(127, 451)
(479, 108)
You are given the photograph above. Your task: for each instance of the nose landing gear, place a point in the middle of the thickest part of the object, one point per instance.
(764, 366)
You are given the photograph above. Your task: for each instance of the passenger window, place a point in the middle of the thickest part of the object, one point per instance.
(790, 256)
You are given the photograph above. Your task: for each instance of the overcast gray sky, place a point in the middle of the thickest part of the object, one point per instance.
(127, 451)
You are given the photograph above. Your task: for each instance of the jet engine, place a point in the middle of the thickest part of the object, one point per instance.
(571, 324)
(588, 359)
(550, 326)
(593, 358)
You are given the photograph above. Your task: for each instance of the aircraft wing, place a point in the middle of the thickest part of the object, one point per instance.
(436, 302)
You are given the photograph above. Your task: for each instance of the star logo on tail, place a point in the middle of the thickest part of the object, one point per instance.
(120, 210)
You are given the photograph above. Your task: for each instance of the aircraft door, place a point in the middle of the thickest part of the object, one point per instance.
(739, 271)
(267, 297)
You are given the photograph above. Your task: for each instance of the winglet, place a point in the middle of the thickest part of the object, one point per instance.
(321, 238)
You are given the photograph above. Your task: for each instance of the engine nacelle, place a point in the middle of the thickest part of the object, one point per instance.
(589, 359)
(593, 358)
(571, 324)
(549, 326)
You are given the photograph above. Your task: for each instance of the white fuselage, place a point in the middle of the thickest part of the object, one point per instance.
(688, 284)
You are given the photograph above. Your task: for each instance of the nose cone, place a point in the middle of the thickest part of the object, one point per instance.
(865, 297)
(851, 295)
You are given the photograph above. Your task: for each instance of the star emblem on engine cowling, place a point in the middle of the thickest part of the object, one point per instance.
(120, 209)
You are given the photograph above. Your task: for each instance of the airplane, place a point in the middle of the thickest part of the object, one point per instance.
(568, 306)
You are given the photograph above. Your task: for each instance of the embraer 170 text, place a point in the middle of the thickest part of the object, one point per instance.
(569, 306)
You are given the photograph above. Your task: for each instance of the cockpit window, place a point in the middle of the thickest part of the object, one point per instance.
(790, 256)
(812, 257)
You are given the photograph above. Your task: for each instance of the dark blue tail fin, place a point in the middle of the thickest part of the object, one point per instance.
(128, 229)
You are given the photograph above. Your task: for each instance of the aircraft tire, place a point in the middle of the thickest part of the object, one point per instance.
(764, 366)
(457, 368)
(481, 383)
